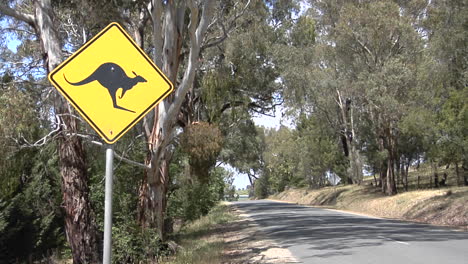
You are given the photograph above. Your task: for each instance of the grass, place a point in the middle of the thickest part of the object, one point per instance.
(242, 192)
(201, 242)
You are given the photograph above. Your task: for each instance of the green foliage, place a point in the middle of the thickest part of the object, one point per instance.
(261, 187)
(320, 153)
(229, 193)
(241, 81)
(31, 222)
(303, 156)
(454, 127)
(202, 142)
(243, 147)
(192, 198)
(18, 125)
(16, 230)
(281, 159)
(132, 244)
(303, 33)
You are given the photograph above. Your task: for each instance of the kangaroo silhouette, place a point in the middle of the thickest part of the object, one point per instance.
(112, 77)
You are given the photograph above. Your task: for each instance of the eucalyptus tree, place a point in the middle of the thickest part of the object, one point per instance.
(313, 83)
(247, 81)
(281, 160)
(241, 82)
(379, 54)
(364, 66)
(38, 18)
(246, 76)
(447, 44)
(179, 35)
(319, 153)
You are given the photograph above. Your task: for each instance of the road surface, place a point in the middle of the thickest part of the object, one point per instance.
(320, 236)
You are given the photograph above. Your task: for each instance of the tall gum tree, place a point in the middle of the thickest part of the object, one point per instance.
(79, 223)
(379, 55)
(168, 32)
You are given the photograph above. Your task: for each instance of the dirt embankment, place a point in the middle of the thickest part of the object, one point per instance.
(448, 206)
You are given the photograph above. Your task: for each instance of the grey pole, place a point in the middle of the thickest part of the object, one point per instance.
(108, 206)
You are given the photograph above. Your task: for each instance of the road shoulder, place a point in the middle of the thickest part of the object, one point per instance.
(246, 243)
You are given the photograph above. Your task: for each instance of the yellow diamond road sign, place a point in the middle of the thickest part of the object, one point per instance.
(111, 82)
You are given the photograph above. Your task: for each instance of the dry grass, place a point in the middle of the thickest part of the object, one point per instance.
(448, 206)
(203, 241)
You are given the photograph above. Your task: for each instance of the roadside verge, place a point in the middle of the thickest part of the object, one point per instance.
(226, 235)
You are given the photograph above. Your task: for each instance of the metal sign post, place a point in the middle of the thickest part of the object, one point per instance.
(108, 205)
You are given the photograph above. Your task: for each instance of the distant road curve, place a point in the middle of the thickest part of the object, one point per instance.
(321, 236)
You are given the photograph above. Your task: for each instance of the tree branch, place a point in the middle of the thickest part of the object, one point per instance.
(155, 8)
(168, 114)
(27, 18)
(195, 34)
(41, 142)
(217, 40)
(117, 155)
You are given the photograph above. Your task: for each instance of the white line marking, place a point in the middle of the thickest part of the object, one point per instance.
(400, 242)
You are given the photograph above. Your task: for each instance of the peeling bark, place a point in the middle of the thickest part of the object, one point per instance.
(168, 26)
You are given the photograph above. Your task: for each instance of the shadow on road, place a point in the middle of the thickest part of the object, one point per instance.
(334, 232)
(246, 243)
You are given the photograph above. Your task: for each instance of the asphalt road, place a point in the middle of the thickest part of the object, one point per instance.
(320, 236)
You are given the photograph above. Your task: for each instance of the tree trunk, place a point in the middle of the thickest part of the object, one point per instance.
(398, 176)
(391, 148)
(152, 202)
(375, 178)
(349, 145)
(383, 177)
(390, 185)
(383, 167)
(457, 172)
(433, 174)
(79, 221)
(465, 176)
(406, 174)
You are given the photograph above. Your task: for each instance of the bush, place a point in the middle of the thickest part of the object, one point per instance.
(131, 244)
(31, 222)
(202, 142)
(193, 199)
(261, 187)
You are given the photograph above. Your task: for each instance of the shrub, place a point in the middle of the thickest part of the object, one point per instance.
(261, 187)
